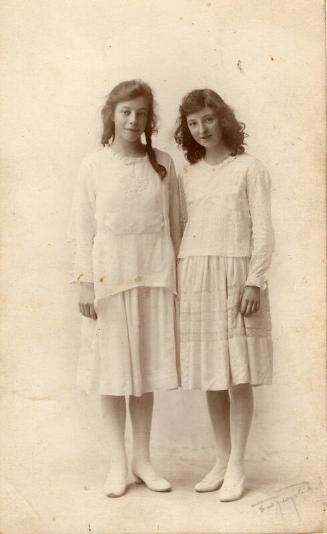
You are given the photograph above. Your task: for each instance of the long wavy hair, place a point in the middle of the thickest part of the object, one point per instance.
(232, 130)
(122, 92)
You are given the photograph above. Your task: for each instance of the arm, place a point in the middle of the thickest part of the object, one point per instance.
(182, 203)
(82, 233)
(174, 208)
(258, 191)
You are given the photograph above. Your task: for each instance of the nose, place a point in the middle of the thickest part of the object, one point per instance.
(202, 128)
(132, 118)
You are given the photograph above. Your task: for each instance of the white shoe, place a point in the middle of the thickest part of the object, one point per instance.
(150, 478)
(231, 490)
(211, 482)
(115, 486)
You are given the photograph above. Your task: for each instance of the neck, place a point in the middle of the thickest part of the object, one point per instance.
(127, 148)
(215, 155)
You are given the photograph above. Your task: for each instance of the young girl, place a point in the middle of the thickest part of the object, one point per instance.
(125, 215)
(225, 251)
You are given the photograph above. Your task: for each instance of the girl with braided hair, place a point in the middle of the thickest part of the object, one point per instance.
(126, 232)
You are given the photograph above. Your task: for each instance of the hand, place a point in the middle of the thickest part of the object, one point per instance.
(86, 301)
(250, 301)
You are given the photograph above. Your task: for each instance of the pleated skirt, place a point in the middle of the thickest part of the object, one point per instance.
(219, 347)
(131, 348)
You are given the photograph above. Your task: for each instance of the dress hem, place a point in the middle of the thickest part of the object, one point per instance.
(226, 388)
(90, 391)
(122, 289)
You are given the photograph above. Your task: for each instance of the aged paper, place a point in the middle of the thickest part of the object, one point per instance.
(59, 61)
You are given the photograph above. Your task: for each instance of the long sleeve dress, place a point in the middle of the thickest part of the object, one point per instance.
(125, 225)
(227, 244)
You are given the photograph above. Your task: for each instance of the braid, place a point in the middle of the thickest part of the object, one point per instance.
(160, 169)
(127, 91)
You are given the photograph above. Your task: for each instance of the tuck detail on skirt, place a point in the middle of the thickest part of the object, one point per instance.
(219, 347)
(131, 348)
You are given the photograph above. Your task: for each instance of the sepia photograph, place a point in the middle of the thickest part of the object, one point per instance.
(163, 273)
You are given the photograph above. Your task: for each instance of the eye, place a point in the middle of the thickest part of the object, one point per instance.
(209, 120)
(125, 112)
(191, 124)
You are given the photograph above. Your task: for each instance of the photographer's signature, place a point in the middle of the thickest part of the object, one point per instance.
(289, 494)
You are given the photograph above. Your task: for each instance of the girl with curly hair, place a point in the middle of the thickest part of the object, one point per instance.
(126, 232)
(225, 252)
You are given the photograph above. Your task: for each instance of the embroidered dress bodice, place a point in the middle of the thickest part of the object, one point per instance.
(227, 212)
(122, 223)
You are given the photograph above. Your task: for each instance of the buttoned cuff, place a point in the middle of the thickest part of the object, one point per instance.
(82, 278)
(256, 281)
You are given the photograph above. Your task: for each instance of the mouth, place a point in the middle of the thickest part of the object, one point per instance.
(131, 130)
(205, 137)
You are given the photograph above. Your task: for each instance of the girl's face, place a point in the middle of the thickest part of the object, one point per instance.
(130, 119)
(204, 127)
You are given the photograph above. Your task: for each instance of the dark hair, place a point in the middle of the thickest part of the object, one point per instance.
(232, 130)
(127, 91)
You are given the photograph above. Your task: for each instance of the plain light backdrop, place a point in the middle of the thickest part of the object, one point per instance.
(60, 61)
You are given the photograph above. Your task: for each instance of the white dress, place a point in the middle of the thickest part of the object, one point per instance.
(227, 244)
(125, 226)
